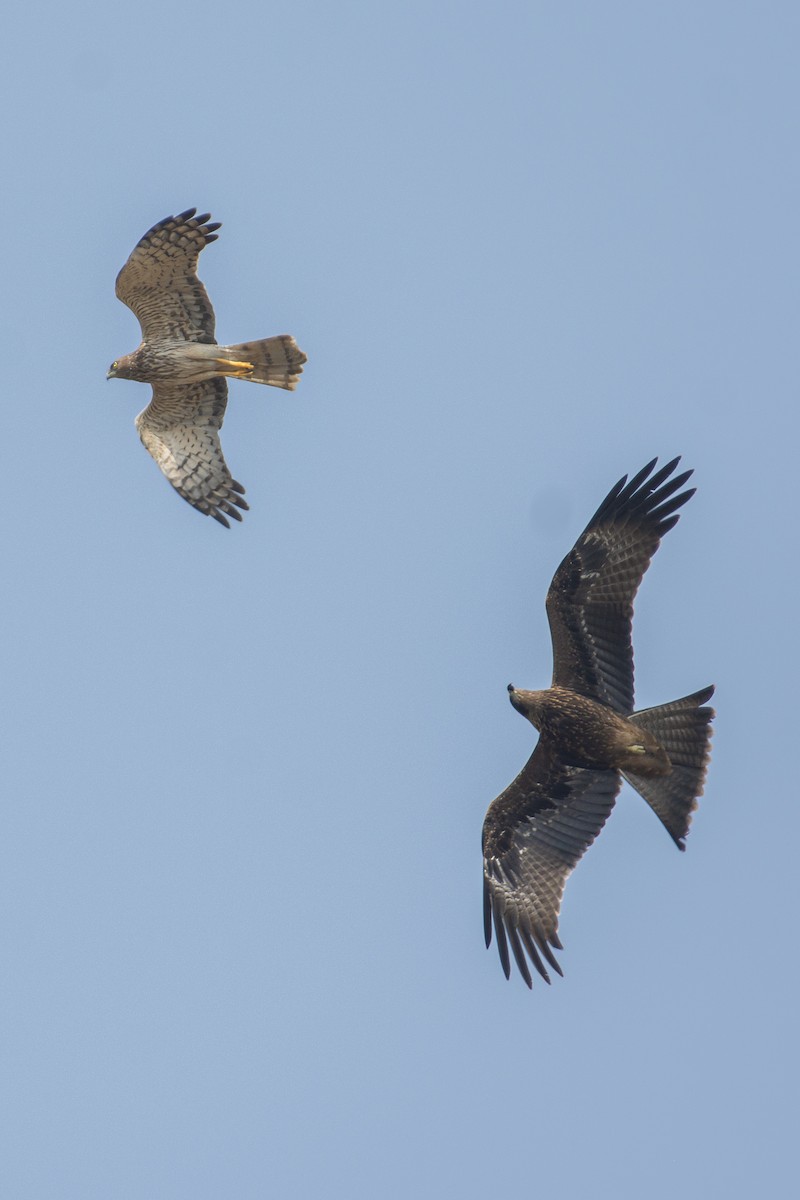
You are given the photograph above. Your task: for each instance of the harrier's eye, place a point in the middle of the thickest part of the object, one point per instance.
(114, 365)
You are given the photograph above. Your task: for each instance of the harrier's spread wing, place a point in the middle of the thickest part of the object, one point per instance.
(180, 427)
(159, 281)
(533, 836)
(590, 601)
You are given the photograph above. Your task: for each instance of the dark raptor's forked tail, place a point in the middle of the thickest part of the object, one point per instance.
(683, 728)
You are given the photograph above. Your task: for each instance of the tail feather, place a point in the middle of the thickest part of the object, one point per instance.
(277, 361)
(683, 728)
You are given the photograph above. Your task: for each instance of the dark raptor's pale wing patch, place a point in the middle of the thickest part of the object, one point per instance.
(533, 836)
(180, 427)
(159, 281)
(590, 601)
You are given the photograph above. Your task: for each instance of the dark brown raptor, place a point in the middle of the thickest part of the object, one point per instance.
(589, 736)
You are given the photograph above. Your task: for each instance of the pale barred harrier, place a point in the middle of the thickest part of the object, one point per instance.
(180, 357)
(589, 736)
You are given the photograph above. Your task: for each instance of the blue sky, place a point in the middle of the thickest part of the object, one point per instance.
(526, 247)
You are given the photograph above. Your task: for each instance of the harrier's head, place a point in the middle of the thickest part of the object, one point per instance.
(120, 368)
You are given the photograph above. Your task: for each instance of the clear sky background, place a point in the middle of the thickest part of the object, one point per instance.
(526, 247)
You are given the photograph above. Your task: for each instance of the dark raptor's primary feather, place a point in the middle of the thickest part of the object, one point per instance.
(590, 601)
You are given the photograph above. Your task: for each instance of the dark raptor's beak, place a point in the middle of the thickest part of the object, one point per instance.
(517, 698)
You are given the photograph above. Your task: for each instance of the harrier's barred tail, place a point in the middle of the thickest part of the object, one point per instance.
(275, 360)
(684, 730)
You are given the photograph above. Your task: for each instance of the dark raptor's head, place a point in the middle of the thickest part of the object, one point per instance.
(528, 704)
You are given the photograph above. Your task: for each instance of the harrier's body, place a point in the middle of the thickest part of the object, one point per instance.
(171, 361)
(180, 357)
(537, 830)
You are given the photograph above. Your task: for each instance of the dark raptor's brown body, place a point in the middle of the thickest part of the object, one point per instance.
(589, 734)
(590, 737)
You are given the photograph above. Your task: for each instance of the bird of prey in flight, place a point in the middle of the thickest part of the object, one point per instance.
(590, 738)
(180, 357)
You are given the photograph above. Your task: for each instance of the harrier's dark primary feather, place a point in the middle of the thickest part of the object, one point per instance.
(159, 281)
(188, 450)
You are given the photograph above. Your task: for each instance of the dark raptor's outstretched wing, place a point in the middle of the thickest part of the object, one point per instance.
(533, 836)
(590, 601)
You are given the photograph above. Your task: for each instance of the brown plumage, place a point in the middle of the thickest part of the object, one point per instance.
(589, 736)
(180, 357)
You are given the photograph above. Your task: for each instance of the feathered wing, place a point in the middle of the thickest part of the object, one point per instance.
(590, 601)
(180, 427)
(534, 834)
(159, 281)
